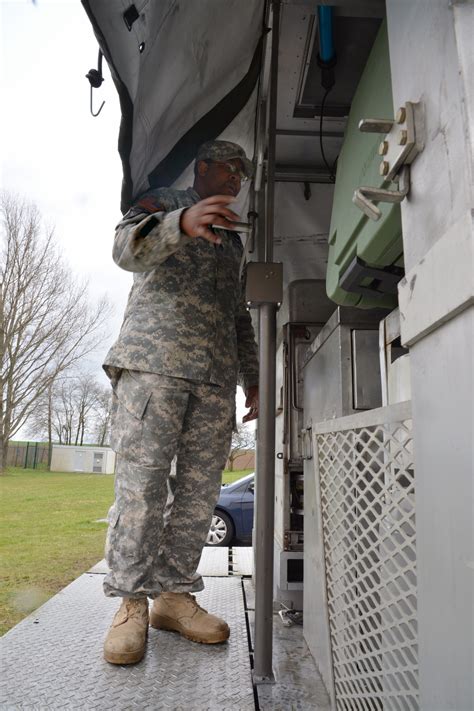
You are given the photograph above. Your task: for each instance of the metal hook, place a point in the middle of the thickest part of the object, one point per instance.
(92, 110)
(95, 79)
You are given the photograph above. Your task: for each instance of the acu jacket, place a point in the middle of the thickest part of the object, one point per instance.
(186, 316)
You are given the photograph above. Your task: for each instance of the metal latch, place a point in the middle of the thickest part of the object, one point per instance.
(402, 143)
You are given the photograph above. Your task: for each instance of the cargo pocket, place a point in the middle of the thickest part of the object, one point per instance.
(130, 403)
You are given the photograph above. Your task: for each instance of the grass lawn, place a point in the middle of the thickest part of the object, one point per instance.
(228, 477)
(50, 533)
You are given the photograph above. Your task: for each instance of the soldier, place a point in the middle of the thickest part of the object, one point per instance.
(185, 341)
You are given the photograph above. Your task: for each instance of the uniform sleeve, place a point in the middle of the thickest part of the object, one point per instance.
(246, 345)
(147, 236)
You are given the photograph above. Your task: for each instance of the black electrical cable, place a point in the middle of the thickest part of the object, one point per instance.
(332, 177)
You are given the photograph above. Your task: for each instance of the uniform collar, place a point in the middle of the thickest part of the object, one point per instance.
(193, 194)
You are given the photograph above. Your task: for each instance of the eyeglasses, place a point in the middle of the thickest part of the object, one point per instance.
(231, 168)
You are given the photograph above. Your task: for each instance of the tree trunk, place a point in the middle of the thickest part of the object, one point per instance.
(50, 425)
(3, 452)
(3, 455)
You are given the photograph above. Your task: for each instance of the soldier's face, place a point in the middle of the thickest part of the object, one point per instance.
(222, 178)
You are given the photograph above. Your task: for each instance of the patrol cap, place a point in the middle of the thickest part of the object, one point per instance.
(222, 151)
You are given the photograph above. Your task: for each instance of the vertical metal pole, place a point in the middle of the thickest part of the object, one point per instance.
(272, 115)
(265, 492)
(265, 487)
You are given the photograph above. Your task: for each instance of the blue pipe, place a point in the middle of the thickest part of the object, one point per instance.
(326, 42)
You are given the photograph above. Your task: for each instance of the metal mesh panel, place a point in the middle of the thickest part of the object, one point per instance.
(367, 488)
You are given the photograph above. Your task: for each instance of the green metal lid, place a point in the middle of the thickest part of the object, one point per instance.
(352, 234)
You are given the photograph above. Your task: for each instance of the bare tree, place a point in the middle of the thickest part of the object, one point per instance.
(103, 411)
(46, 321)
(75, 409)
(243, 438)
(71, 407)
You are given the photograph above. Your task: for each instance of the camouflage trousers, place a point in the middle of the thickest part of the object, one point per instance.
(154, 541)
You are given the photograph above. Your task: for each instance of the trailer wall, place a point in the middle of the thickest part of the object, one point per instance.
(432, 61)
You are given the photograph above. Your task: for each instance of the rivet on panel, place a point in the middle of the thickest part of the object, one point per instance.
(384, 166)
(383, 148)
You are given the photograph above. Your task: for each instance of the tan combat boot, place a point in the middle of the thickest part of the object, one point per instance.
(126, 640)
(181, 613)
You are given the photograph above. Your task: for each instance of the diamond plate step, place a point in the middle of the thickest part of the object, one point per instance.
(214, 562)
(242, 560)
(53, 658)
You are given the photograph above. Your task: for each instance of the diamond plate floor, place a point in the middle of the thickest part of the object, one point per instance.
(53, 659)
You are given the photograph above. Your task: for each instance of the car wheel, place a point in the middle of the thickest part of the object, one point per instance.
(221, 531)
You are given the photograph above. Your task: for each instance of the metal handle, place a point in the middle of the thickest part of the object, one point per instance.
(260, 146)
(375, 125)
(363, 196)
(307, 451)
(294, 374)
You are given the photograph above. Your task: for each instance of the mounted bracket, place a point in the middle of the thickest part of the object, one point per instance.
(264, 283)
(403, 141)
(382, 280)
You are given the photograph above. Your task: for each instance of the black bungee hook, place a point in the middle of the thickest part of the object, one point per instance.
(95, 78)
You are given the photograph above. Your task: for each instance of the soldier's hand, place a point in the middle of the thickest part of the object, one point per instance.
(213, 210)
(251, 402)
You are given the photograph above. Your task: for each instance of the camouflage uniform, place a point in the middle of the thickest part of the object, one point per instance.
(185, 340)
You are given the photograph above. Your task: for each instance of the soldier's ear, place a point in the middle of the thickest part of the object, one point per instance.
(202, 167)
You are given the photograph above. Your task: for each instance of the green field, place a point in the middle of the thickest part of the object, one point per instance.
(50, 533)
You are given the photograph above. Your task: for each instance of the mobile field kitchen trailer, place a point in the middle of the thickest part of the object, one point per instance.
(359, 115)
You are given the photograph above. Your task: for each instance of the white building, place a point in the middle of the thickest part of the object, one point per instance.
(94, 460)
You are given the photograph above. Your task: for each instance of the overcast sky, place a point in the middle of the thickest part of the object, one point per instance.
(53, 151)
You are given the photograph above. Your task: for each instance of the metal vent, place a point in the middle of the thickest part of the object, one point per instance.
(367, 487)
